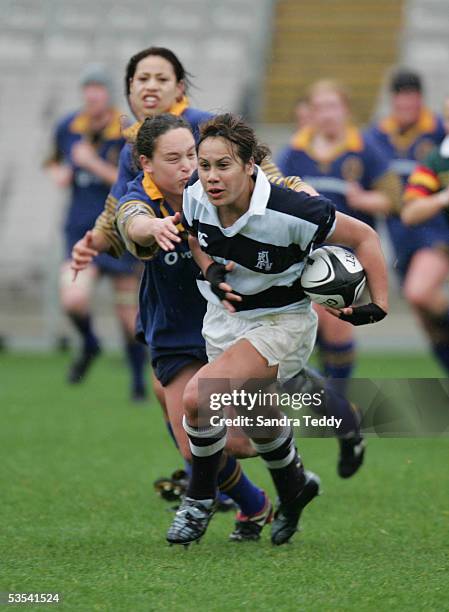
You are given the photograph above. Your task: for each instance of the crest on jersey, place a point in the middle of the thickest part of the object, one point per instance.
(202, 239)
(263, 261)
(352, 168)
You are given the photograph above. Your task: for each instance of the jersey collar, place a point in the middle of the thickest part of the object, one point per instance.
(425, 123)
(150, 188)
(353, 143)
(153, 192)
(130, 133)
(80, 124)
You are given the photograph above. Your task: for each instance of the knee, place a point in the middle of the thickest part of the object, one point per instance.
(74, 302)
(190, 400)
(415, 296)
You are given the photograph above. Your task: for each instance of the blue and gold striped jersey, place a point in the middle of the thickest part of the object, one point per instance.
(404, 149)
(128, 170)
(88, 192)
(171, 309)
(355, 161)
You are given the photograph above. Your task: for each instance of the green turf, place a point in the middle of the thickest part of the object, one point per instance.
(78, 514)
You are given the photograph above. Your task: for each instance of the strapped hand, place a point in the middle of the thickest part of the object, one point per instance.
(362, 315)
(216, 276)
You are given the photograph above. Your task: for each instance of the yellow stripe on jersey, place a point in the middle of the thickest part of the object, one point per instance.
(127, 212)
(177, 109)
(150, 188)
(413, 192)
(426, 179)
(353, 142)
(271, 170)
(105, 224)
(130, 133)
(404, 140)
(166, 213)
(81, 125)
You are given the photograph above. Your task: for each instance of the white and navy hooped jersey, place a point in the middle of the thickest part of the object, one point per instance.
(268, 244)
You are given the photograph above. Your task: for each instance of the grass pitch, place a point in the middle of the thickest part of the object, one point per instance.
(79, 517)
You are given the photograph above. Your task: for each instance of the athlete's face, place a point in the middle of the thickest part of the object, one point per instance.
(407, 107)
(96, 99)
(223, 175)
(302, 114)
(154, 88)
(446, 115)
(173, 161)
(329, 112)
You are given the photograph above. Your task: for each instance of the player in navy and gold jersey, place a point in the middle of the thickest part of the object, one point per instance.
(405, 137)
(426, 197)
(87, 145)
(155, 82)
(337, 160)
(171, 309)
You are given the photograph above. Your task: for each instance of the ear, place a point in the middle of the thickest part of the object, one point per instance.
(180, 90)
(250, 166)
(146, 164)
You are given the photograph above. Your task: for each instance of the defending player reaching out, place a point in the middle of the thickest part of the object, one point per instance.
(250, 240)
(171, 309)
(155, 83)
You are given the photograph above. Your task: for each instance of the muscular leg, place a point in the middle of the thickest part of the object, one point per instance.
(424, 290)
(75, 299)
(126, 289)
(241, 362)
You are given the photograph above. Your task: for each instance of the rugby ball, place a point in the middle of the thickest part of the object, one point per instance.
(333, 276)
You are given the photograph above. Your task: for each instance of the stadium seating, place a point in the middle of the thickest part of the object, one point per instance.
(44, 45)
(348, 40)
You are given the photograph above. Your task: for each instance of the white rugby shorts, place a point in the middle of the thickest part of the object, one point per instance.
(285, 339)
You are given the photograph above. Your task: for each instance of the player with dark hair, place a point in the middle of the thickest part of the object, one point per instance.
(87, 145)
(155, 82)
(427, 196)
(250, 240)
(405, 137)
(171, 309)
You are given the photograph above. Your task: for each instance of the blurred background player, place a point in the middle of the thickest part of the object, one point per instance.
(87, 145)
(332, 155)
(405, 137)
(427, 197)
(301, 113)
